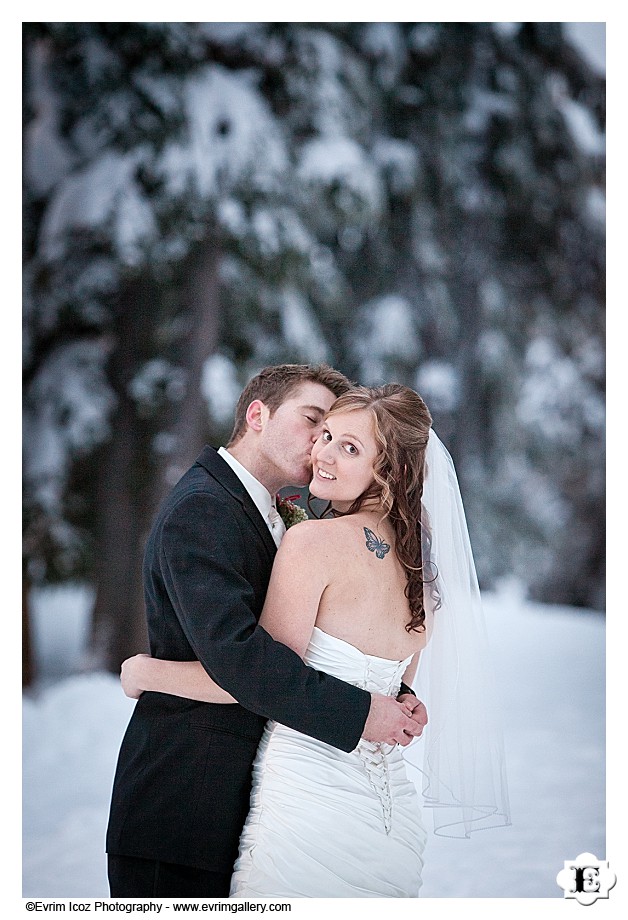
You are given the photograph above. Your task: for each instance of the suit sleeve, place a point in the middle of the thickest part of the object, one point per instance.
(202, 561)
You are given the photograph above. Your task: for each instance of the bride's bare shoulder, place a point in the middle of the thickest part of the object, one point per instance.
(316, 536)
(322, 549)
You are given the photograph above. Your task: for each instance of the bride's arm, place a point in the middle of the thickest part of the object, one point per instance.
(188, 679)
(410, 672)
(299, 577)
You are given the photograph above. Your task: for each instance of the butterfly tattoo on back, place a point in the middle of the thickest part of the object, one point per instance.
(375, 545)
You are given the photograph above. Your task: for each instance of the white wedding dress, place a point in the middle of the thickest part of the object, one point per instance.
(324, 823)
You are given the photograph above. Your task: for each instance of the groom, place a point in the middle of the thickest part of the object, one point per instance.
(182, 784)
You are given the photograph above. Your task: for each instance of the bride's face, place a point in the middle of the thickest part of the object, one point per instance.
(343, 458)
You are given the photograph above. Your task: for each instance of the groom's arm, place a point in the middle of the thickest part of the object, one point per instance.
(202, 558)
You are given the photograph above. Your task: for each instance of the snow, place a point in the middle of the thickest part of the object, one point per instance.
(47, 158)
(424, 37)
(331, 160)
(595, 207)
(231, 134)
(231, 137)
(386, 333)
(90, 198)
(220, 387)
(301, 329)
(399, 161)
(590, 40)
(556, 397)
(384, 42)
(155, 380)
(507, 29)
(229, 32)
(71, 386)
(550, 664)
(583, 128)
(439, 382)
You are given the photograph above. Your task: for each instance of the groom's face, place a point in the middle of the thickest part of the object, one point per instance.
(292, 430)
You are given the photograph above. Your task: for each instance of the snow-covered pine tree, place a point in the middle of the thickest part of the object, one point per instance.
(484, 284)
(410, 201)
(176, 218)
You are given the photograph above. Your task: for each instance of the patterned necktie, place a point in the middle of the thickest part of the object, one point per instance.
(277, 526)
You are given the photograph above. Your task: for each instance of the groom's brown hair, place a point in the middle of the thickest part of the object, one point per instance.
(273, 385)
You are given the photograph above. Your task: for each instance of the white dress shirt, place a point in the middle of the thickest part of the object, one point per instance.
(260, 495)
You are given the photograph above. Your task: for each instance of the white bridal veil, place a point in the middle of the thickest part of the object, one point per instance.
(461, 754)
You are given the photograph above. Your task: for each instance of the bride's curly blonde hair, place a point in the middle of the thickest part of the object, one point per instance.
(402, 425)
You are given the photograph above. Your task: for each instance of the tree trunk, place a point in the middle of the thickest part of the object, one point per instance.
(123, 494)
(201, 305)
(471, 434)
(28, 664)
(131, 481)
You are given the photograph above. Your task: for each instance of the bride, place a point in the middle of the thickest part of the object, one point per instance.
(357, 595)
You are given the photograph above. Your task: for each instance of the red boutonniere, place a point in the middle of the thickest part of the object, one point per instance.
(290, 513)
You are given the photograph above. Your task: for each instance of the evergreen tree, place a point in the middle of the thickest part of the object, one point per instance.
(409, 201)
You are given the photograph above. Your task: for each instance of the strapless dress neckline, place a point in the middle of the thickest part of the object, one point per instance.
(349, 645)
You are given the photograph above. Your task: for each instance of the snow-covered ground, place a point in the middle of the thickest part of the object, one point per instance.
(550, 663)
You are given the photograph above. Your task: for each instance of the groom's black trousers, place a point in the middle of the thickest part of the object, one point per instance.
(133, 877)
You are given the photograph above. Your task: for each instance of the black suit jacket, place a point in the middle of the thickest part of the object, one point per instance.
(182, 783)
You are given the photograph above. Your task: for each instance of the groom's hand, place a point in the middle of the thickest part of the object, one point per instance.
(415, 709)
(129, 676)
(390, 721)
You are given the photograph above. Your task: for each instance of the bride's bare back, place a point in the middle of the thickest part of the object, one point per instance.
(343, 576)
(364, 602)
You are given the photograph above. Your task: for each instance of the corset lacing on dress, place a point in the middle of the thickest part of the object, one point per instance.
(373, 753)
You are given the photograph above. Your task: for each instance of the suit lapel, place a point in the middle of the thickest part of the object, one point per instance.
(211, 460)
